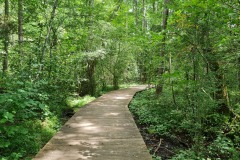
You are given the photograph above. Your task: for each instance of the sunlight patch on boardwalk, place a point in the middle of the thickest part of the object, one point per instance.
(102, 130)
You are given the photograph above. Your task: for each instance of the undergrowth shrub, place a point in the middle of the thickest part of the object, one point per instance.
(26, 122)
(205, 133)
(31, 113)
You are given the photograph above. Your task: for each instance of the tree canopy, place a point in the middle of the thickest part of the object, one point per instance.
(187, 49)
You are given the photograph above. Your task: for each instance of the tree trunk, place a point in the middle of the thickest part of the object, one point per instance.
(49, 30)
(91, 78)
(52, 47)
(20, 25)
(154, 6)
(115, 10)
(220, 95)
(115, 82)
(89, 86)
(6, 38)
(136, 13)
(144, 20)
(171, 81)
(238, 74)
(165, 14)
(194, 63)
(159, 86)
(221, 90)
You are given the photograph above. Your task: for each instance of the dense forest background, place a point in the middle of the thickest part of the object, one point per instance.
(189, 49)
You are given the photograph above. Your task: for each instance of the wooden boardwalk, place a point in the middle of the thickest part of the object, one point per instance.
(102, 130)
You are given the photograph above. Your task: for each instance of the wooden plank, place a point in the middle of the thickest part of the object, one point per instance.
(102, 130)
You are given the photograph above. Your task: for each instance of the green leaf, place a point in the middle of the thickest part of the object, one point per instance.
(8, 116)
(42, 106)
(4, 144)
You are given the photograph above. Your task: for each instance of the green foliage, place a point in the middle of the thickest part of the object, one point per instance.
(90, 48)
(27, 117)
(150, 110)
(156, 157)
(202, 132)
(23, 111)
(76, 102)
(223, 148)
(187, 154)
(23, 104)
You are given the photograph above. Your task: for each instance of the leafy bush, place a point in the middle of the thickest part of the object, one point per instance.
(186, 155)
(205, 133)
(223, 148)
(30, 114)
(23, 110)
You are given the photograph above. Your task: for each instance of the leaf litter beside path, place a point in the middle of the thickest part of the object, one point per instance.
(159, 146)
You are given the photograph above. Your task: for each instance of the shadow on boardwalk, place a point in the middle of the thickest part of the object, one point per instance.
(102, 130)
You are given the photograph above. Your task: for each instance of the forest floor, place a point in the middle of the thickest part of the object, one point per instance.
(160, 146)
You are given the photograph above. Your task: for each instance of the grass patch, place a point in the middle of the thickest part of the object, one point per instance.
(77, 102)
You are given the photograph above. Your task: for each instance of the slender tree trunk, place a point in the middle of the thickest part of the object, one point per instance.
(47, 38)
(171, 81)
(238, 74)
(89, 86)
(91, 2)
(49, 30)
(20, 25)
(161, 70)
(220, 95)
(6, 38)
(165, 14)
(92, 63)
(115, 10)
(52, 47)
(190, 104)
(115, 74)
(194, 63)
(154, 6)
(136, 13)
(144, 20)
(91, 78)
(115, 81)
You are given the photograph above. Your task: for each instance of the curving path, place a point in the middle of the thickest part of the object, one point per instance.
(102, 130)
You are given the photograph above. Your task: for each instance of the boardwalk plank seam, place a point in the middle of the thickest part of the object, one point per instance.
(102, 130)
